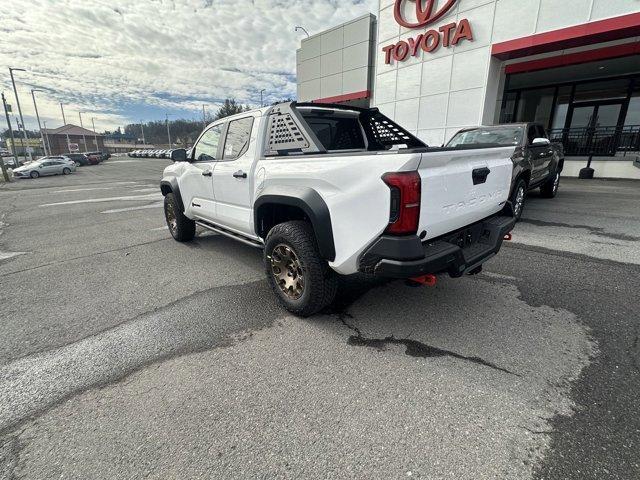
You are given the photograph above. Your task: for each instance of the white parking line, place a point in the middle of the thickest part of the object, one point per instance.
(166, 227)
(150, 196)
(84, 189)
(147, 189)
(6, 255)
(130, 209)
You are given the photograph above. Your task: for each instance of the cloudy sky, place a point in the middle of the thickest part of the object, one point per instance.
(125, 60)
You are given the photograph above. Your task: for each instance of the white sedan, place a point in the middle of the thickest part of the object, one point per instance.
(46, 166)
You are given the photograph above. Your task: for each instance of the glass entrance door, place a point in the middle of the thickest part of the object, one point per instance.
(593, 127)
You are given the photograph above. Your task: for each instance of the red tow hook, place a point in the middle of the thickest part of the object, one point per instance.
(508, 237)
(428, 280)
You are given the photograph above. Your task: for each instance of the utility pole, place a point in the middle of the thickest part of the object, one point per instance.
(46, 135)
(33, 95)
(95, 135)
(15, 91)
(142, 130)
(168, 130)
(204, 117)
(64, 123)
(13, 140)
(84, 139)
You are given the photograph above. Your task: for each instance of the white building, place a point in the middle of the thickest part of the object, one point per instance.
(436, 66)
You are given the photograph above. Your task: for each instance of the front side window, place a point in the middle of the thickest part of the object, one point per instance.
(207, 147)
(238, 136)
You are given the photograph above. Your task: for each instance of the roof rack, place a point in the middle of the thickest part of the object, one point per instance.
(289, 133)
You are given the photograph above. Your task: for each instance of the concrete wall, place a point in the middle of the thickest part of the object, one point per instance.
(435, 94)
(604, 168)
(338, 61)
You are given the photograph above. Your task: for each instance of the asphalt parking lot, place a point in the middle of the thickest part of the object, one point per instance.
(125, 354)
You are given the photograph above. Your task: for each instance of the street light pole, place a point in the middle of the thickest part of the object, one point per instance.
(168, 130)
(84, 139)
(35, 106)
(95, 135)
(15, 91)
(303, 29)
(13, 140)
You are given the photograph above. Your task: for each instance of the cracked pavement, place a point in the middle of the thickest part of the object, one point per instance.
(127, 355)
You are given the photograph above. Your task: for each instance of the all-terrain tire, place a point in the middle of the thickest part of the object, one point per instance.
(320, 281)
(182, 229)
(549, 189)
(518, 198)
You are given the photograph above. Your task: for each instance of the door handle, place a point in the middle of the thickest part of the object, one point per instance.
(480, 175)
(207, 173)
(240, 174)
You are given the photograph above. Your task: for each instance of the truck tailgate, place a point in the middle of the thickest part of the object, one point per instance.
(461, 187)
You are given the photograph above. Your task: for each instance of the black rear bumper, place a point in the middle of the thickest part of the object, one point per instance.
(457, 253)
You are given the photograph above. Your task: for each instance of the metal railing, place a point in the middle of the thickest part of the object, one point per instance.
(597, 141)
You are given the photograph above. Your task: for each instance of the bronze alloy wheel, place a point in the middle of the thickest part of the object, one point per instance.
(519, 203)
(170, 213)
(287, 271)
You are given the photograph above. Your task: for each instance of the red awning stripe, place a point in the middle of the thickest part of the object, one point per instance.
(616, 28)
(616, 51)
(344, 98)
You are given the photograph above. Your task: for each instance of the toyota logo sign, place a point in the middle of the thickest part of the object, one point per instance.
(425, 15)
(448, 35)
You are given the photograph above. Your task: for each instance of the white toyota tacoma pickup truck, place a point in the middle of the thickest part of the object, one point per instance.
(329, 190)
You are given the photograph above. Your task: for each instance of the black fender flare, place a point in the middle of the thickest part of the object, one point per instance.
(170, 185)
(310, 202)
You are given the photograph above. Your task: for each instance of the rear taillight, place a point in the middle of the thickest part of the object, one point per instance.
(404, 212)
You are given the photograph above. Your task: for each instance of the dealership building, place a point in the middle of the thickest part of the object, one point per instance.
(436, 66)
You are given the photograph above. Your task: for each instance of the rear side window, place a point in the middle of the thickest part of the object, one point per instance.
(238, 136)
(337, 133)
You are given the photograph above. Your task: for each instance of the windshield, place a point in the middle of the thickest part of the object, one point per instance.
(490, 136)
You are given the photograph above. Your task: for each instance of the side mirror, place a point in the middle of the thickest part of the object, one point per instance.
(541, 141)
(179, 155)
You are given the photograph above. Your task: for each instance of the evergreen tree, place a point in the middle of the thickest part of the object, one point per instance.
(230, 107)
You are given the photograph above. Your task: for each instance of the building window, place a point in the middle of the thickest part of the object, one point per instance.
(607, 90)
(508, 112)
(563, 100)
(536, 105)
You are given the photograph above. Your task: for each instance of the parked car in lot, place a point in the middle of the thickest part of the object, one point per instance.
(93, 157)
(11, 162)
(328, 190)
(537, 162)
(79, 158)
(46, 166)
